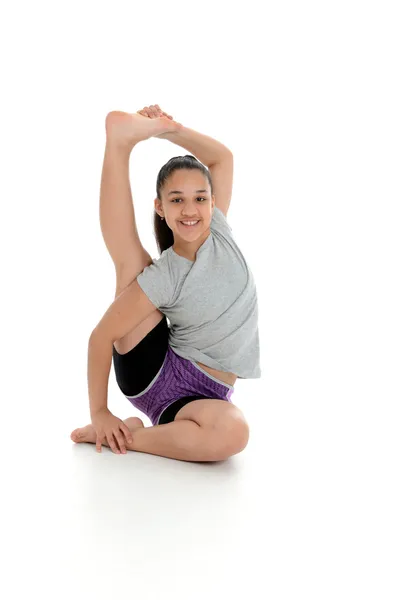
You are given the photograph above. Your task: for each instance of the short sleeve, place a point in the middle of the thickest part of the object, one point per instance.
(219, 222)
(156, 282)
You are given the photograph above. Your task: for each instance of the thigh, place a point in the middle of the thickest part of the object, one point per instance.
(125, 275)
(189, 385)
(211, 412)
(169, 414)
(134, 337)
(136, 368)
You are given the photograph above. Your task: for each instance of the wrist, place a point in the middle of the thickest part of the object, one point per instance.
(96, 411)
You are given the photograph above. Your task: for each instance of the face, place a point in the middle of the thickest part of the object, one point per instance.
(186, 196)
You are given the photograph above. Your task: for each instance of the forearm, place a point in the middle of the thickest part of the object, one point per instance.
(203, 147)
(98, 372)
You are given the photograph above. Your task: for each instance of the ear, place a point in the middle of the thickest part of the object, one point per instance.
(158, 207)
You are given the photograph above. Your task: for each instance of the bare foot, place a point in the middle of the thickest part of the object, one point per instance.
(128, 129)
(88, 433)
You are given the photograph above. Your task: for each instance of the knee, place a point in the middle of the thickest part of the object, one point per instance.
(231, 437)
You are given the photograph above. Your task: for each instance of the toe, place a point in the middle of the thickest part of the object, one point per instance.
(75, 435)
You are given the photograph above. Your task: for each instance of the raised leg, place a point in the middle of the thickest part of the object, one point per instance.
(117, 219)
(117, 215)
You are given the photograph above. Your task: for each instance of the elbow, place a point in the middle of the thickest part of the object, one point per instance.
(96, 337)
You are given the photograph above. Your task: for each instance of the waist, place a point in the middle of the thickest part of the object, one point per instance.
(224, 376)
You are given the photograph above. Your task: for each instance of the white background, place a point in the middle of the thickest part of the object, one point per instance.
(306, 95)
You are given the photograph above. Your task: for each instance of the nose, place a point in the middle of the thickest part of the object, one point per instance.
(187, 217)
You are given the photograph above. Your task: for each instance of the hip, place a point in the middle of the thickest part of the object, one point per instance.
(224, 376)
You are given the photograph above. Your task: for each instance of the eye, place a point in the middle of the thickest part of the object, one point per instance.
(201, 198)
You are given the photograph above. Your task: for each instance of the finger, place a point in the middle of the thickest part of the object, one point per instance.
(162, 112)
(98, 444)
(154, 111)
(127, 433)
(112, 443)
(120, 440)
(146, 112)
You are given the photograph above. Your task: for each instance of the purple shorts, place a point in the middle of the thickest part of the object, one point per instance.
(159, 382)
(178, 378)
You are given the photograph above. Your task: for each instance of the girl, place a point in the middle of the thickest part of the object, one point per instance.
(181, 376)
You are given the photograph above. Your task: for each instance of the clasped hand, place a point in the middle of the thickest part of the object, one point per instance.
(154, 112)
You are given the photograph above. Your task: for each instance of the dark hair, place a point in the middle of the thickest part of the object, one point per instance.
(163, 233)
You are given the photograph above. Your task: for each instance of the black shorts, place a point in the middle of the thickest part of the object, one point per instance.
(136, 369)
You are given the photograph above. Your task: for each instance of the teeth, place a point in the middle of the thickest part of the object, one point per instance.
(189, 222)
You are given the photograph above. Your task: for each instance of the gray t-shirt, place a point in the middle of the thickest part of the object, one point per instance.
(211, 303)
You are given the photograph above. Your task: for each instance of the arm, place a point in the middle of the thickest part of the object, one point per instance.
(127, 311)
(217, 157)
(205, 148)
(98, 372)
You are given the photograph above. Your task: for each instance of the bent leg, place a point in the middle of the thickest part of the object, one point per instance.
(203, 430)
(182, 440)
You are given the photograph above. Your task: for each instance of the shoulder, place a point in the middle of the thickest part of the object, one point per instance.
(156, 280)
(219, 220)
(157, 269)
(162, 260)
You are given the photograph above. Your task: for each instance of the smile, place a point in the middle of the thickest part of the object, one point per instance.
(189, 223)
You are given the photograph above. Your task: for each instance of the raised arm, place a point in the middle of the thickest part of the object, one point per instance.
(217, 157)
(208, 150)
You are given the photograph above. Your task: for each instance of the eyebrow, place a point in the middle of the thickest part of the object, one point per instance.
(179, 192)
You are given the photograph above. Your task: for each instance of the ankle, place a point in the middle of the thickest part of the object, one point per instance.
(119, 147)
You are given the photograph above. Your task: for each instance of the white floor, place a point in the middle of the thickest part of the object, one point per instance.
(309, 509)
